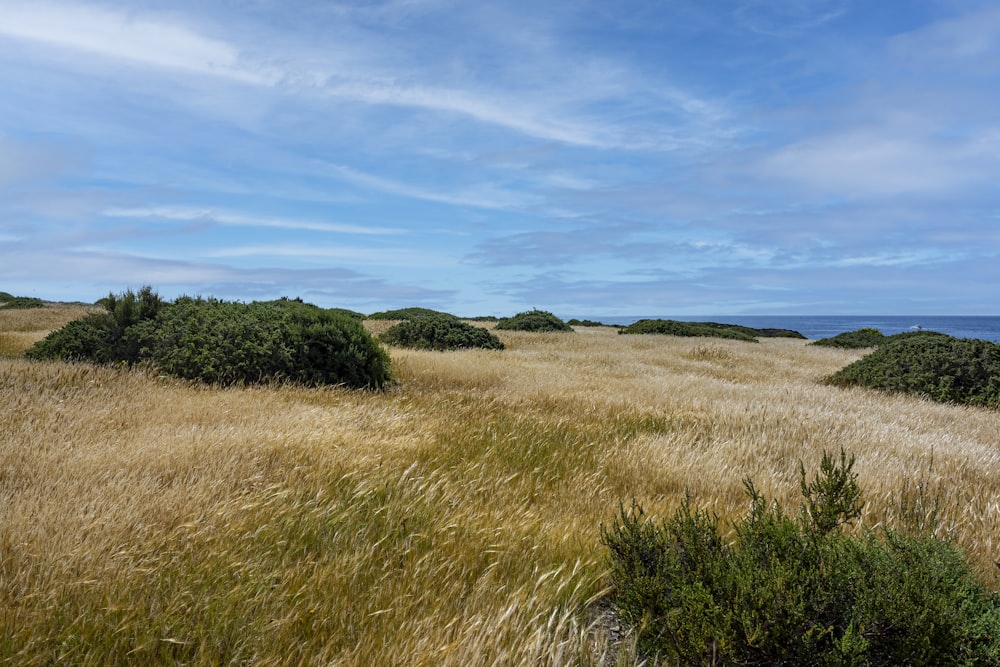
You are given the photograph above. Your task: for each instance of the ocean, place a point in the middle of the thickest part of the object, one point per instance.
(814, 327)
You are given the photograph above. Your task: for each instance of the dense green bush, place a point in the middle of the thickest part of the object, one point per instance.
(585, 323)
(440, 332)
(853, 340)
(533, 320)
(224, 342)
(11, 302)
(676, 328)
(706, 329)
(935, 365)
(796, 590)
(405, 314)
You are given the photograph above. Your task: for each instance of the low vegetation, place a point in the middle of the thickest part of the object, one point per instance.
(533, 320)
(853, 340)
(405, 314)
(706, 329)
(933, 365)
(440, 332)
(585, 323)
(795, 589)
(11, 302)
(222, 342)
(455, 520)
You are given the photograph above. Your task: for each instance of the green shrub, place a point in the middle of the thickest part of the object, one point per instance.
(706, 329)
(222, 342)
(676, 328)
(440, 332)
(533, 320)
(795, 590)
(853, 340)
(940, 367)
(90, 338)
(11, 302)
(405, 314)
(585, 323)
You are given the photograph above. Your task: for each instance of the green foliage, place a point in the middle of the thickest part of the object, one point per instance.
(404, 314)
(795, 590)
(89, 338)
(533, 320)
(224, 342)
(440, 332)
(585, 323)
(940, 367)
(11, 302)
(853, 340)
(706, 329)
(676, 328)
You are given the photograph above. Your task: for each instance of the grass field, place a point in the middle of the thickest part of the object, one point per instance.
(453, 520)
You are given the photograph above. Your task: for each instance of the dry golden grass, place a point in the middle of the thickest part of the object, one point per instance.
(20, 329)
(451, 521)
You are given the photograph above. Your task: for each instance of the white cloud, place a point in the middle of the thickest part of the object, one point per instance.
(237, 220)
(124, 36)
(872, 161)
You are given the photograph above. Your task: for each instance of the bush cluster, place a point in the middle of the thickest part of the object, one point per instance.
(797, 590)
(405, 314)
(585, 323)
(533, 320)
(11, 302)
(224, 342)
(853, 340)
(440, 332)
(941, 367)
(706, 329)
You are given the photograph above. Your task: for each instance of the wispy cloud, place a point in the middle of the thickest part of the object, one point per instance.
(210, 215)
(127, 37)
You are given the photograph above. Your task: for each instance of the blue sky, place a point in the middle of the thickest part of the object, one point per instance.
(671, 157)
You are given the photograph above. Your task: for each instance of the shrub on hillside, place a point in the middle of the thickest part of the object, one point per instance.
(533, 320)
(795, 589)
(405, 314)
(440, 332)
(224, 342)
(11, 302)
(585, 323)
(853, 340)
(940, 367)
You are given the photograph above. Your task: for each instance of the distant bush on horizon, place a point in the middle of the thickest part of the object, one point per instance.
(441, 333)
(406, 314)
(11, 302)
(534, 320)
(940, 367)
(706, 329)
(853, 340)
(224, 342)
(585, 323)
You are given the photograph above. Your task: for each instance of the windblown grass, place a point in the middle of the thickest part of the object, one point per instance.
(451, 521)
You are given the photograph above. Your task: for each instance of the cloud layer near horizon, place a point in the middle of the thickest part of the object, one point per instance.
(681, 158)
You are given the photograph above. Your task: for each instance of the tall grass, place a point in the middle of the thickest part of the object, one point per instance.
(452, 520)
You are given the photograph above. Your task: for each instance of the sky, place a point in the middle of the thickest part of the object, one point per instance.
(586, 157)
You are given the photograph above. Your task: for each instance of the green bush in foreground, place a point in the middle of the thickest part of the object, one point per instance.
(796, 590)
(222, 342)
(943, 368)
(533, 320)
(853, 340)
(440, 332)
